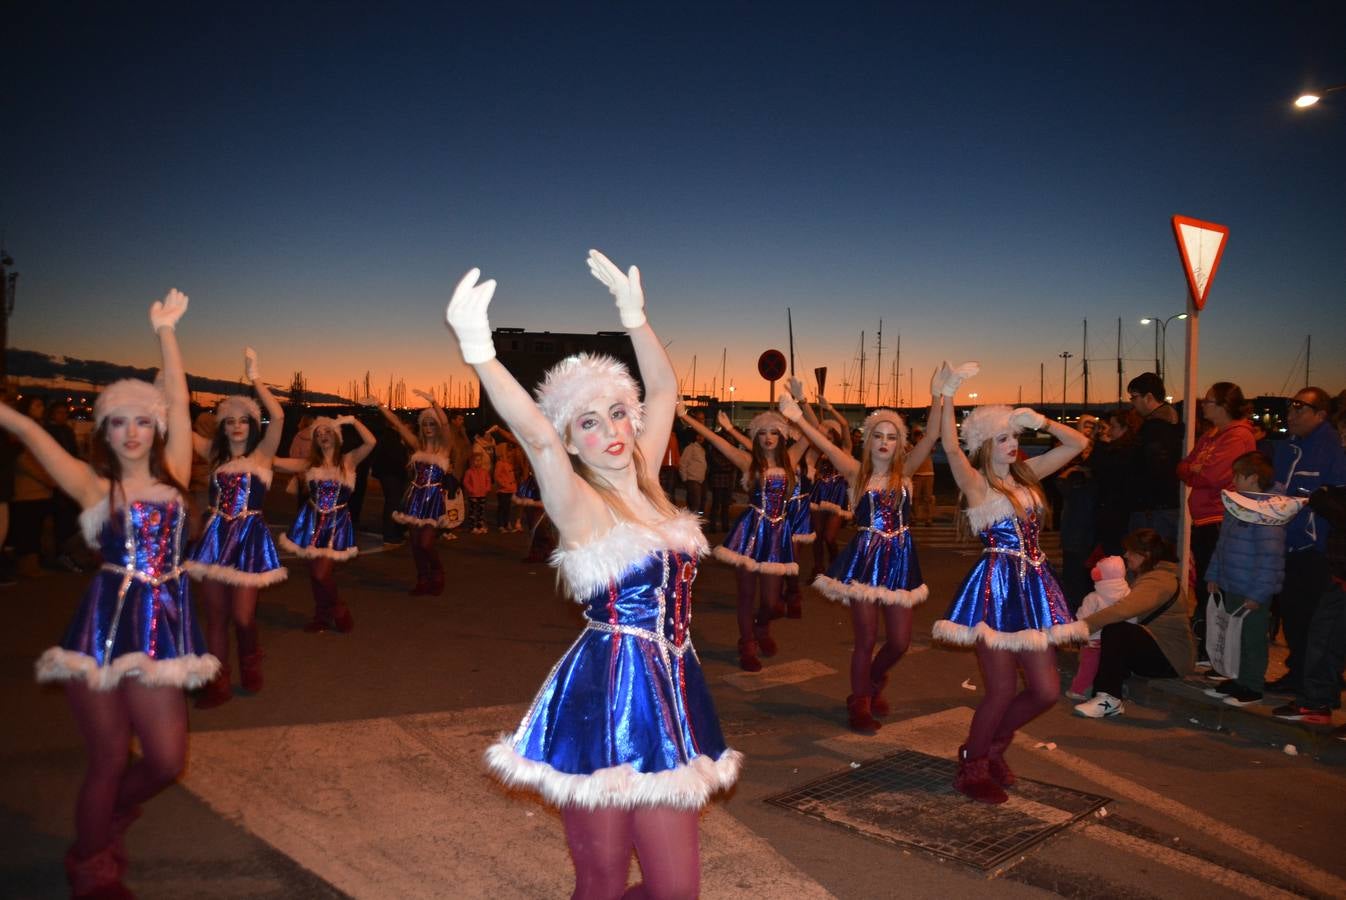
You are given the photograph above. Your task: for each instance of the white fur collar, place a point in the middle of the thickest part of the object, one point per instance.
(331, 473)
(439, 459)
(91, 520)
(996, 507)
(248, 465)
(603, 560)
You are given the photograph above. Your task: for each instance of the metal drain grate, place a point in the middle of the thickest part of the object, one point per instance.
(907, 799)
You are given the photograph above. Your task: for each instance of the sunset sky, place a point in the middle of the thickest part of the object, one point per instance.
(982, 177)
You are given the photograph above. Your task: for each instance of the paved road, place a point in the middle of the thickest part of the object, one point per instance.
(356, 772)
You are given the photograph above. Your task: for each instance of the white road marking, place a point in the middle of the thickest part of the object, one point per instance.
(403, 807)
(792, 672)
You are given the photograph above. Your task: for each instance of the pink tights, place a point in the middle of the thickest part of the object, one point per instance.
(866, 668)
(665, 841)
(1002, 711)
(112, 784)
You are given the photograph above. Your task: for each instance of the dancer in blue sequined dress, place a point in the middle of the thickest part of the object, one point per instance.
(236, 557)
(878, 571)
(1010, 607)
(760, 543)
(323, 532)
(623, 735)
(133, 645)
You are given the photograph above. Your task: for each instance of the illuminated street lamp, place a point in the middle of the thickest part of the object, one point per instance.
(1161, 325)
(1304, 101)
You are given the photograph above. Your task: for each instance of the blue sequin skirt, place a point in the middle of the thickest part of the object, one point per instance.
(874, 568)
(1006, 602)
(759, 544)
(316, 534)
(237, 551)
(422, 505)
(830, 495)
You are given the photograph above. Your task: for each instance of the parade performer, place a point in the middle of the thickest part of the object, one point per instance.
(236, 556)
(431, 486)
(323, 533)
(1010, 606)
(879, 568)
(829, 499)
(760, 543)
(133, 645)
(623, 735)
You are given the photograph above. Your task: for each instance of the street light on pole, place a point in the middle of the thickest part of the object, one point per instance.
(1305, 100)
(1161, 340)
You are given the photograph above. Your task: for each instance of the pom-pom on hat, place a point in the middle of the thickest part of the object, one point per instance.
(984, 423)
(883, 415)
(577, 382)
(1109, 568)
(132, 396)
(237, 405)
(766, 421)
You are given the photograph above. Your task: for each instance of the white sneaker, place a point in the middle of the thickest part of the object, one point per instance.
(1102, 706)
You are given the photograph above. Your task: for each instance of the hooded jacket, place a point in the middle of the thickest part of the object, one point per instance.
(1302, 466)
(1209, 468)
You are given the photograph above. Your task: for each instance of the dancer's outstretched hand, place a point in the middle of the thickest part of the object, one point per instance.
(796, 388)
(424, 395)
(626, 288)
(166, 312)
(1023, 417)
(723, 420)
(790, 408)
(938, 379)
(960, 373)
(250, 367)
(681, 409)
(466, 315)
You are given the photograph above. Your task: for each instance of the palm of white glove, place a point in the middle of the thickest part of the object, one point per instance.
(723, 421)
(250, 367)
(626, 288)
(466, 315)
(796, 388)
(1023, 417)
(938, 379)
(957, 376)
(790, 408)
(166, 312)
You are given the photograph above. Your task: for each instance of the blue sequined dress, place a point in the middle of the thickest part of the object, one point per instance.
(799, 510)
(760, 539)
(323, 527)
(879, 564)
(831, 490)
(625, 718)
(1011, 597)
(425, 499)
(236, 546)
(135, 620)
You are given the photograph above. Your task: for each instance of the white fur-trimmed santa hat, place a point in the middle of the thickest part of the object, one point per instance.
(132, 396)
(984, 423)
(238, 405)
(766, 421)
(883, 415)
(577, 382)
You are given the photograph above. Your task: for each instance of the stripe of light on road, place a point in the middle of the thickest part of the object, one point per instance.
(793, 672)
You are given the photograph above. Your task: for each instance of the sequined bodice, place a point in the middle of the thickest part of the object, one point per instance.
(234, 494)
(886, 512)
(1016, 536)
(144, 539)
(426, 474)
(653, 600)
(768, 495)
(328, 495)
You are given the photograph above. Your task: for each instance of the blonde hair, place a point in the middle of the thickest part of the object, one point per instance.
(648, 485)
(1020, 474)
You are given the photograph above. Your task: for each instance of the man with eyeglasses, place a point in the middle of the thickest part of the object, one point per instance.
(1155, 466)
(1311, 458)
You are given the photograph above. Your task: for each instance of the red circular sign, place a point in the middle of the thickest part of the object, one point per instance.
(771, 365)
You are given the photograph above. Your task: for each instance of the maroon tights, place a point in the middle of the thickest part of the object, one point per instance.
(227, 603)
(424, 552)
(157, 716)
(749, 584)
(322, 579)
(1002, 711)
(665, 841)
(865, 666)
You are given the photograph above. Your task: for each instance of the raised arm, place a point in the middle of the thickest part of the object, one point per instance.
(73, 476)
(179, 444)
(796, 388)
(935, 423)
(661, 383)
(574, 507)
(354, 457)
(965, 475)
(840, 420)
(270, 443)
(406, 434)
(1072, 441)
(736, 456)
(846, 464)
(740, 437)
(440, 415)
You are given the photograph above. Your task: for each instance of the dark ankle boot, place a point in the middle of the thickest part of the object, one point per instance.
(974, 779)
(97, 876)
(250, 658)
(216, 691)
(747, 656)
(1000, 770)
(761, 631)
(858, 715)
(122, 820)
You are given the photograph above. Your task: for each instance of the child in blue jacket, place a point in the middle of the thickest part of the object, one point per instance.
(1248, 567)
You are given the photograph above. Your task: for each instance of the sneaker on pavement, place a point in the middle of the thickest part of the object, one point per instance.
(1102, 706)
(1220, 689)
(1312, 715)
(1238, 695)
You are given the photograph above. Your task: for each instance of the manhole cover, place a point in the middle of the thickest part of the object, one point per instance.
(907, 798)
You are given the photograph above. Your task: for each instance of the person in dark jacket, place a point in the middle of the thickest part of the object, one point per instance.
(388, 463)
(1155, 463)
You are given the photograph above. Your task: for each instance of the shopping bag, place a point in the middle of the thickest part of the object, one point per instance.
(453, 511)
(1224, 635)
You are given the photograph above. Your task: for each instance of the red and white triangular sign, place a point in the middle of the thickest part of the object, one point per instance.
(1201, 245)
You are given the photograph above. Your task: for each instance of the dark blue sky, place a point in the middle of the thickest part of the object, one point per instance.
(982, 177)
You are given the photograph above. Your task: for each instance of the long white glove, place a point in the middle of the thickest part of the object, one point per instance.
(796, 388)
(1023, 417)
(938, 379)
(166, 312)
(250, 367)
(466, 315)
(722, 419)
(625, 288)
(957, 376)
(424, 395)
(790, 408)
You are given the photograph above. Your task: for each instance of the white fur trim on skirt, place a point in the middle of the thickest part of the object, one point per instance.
(403, 518)
(804, 538)
(687, 787)
(827, 506)
(230, 575)
(845, 592)
(187, 672)
(725, 555)
(1028, 639)
(290, 546)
